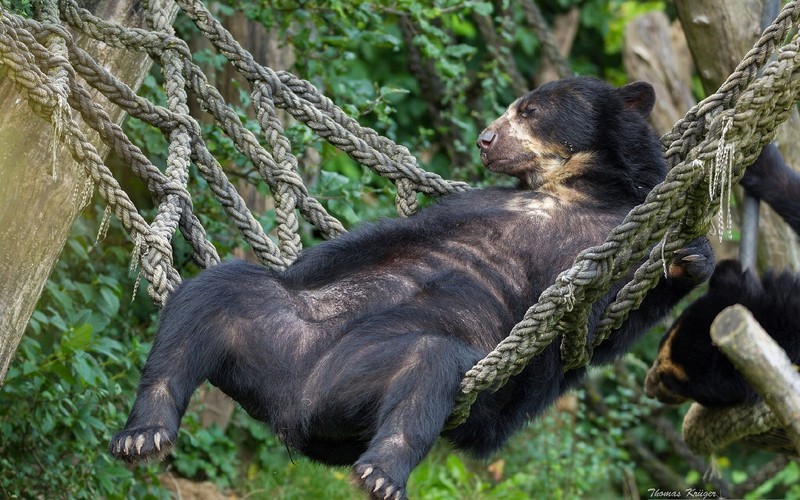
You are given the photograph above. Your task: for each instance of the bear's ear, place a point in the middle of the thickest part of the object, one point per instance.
(638, 96)
(730, 280)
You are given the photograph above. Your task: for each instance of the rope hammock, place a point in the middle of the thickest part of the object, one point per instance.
(42, 60)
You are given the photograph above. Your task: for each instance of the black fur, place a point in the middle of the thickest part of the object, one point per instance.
(771, 180)
(354, 354)
(689, 366)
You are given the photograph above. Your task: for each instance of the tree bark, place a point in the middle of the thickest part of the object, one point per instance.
(653, 53)
(42, 192)
(719, 34)
(564, 29)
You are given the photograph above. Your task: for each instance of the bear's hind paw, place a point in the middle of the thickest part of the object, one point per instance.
(377, 483)
(141, 444)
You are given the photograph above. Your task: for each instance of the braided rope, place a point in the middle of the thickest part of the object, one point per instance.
(56, 45)
(45, 97)
(706, 429)
(121, 95)
(689, 130)
(307, 105)
(157, 183)
(277, 166)
(169, 209)
(245, 141)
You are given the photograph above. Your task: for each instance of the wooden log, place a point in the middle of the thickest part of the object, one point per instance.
(763, 363)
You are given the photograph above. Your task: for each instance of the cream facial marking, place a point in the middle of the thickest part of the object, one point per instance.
(518, 151)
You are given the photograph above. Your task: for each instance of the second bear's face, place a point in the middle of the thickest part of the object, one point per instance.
(689, 365)
(563, 130)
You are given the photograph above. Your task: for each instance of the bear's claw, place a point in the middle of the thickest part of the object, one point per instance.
(140, 444)
(694, 262)
(375, 481)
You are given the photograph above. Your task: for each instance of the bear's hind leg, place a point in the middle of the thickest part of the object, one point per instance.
(186, 352)
(412, 414)
(152, 426)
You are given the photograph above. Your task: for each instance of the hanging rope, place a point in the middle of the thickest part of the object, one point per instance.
(24, 50)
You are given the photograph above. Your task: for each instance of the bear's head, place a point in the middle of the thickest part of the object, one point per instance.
(689, 365)
(580, 133)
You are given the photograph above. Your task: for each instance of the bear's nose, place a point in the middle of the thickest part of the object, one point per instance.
(486, 139)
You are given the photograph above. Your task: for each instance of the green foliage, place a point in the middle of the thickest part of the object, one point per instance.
(785, 483)
(21, 7)
(206, 453)
(70, 384)
(560, 455)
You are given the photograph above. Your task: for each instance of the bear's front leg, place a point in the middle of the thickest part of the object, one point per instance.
(152, 427)
(688, 267)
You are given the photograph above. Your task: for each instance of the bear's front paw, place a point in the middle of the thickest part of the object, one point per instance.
(141, 443)
(377, 483)
(693, 263)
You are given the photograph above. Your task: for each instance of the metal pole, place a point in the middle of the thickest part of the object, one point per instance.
(748, 243)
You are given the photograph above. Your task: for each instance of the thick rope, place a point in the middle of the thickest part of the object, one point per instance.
(45, 97)
(389, 159)
(179, 150)
(121, 95)
(307, 105)
(690, 129)
(706, 430)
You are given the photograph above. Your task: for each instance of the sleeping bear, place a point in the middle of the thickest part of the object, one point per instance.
(353, 355)
(688, 365)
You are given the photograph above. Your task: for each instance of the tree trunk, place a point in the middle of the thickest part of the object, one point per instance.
(564, 29)
(719, 34)
(41, 194)
(656, 52)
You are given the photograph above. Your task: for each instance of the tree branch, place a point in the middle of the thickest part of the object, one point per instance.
(762, 361)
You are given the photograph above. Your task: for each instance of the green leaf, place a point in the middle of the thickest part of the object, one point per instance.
(61, 297)
(86, 374)
(483, 8)
(110, 303)
(79, 338)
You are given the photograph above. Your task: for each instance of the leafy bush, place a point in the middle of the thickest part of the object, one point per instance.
(71, 381)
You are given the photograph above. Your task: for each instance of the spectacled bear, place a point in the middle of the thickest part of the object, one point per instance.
(688, 365)
(353, 355)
